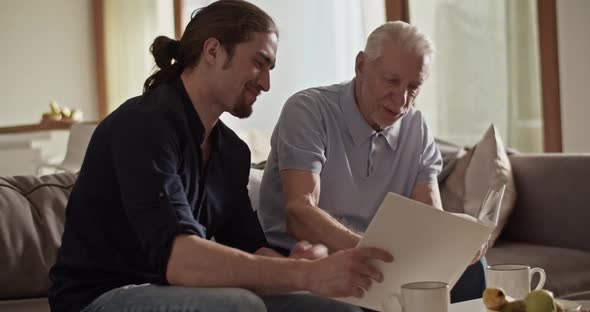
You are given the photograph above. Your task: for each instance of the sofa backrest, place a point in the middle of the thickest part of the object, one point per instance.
(32, 212)
(553, 201)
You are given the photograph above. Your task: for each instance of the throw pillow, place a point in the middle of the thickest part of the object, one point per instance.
(452, 189)
(489, 168)
(254, 187)
(450, 154)
(483, 167)
(258, 142)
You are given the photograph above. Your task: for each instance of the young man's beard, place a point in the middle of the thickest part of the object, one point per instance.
(242, 109)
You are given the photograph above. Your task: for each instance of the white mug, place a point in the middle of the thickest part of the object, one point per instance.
(514, 279)
(420, 297)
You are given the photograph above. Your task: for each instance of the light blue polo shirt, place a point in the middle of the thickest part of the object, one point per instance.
(322, 130)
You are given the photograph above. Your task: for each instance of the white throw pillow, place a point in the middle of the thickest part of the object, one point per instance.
(258, 142)
(254, 187)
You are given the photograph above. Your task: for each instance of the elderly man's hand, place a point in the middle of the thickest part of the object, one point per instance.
(305, 250)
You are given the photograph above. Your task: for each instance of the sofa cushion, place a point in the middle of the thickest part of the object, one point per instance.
(552, 205)
(25, 305)
(32, 213)
(567, 269)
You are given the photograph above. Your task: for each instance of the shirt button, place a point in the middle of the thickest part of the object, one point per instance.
(162, 195)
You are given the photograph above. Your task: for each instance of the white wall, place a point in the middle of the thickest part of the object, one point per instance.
(46, 53)
(574, 66)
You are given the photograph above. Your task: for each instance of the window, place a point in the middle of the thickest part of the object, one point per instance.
(129, 29)
(486, 70)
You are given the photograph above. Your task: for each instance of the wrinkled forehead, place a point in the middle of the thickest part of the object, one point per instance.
(397, 60)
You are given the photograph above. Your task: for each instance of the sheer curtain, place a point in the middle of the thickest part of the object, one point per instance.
(486, 70)
(318, 43)
(130, 27)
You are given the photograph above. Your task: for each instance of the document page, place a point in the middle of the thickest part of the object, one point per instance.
(427, 245)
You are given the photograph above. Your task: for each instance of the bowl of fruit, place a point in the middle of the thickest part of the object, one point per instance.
(495, 299)
(61, 114)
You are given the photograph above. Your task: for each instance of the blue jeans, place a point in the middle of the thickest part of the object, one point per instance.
(148, 297)
(156, 298)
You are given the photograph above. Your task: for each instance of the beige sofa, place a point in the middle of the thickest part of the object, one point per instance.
(31, 223)
(550, 225)
(549, 228)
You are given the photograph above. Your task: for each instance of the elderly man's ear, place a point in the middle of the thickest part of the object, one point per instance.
(359, 63)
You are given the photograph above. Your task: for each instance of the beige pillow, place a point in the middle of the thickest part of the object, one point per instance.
(452, 190)
(485, 166)
(258, 142)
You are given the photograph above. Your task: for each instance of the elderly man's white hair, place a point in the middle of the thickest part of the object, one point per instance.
(407, 36)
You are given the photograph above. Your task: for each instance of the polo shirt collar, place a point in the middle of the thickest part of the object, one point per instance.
(358, 127)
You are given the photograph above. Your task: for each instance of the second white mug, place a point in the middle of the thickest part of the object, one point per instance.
(420, 297)
(514, 279)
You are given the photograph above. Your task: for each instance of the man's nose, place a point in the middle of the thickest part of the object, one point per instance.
(399, 96)
(264, 80)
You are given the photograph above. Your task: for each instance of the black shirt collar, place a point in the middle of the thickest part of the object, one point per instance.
(194, 120)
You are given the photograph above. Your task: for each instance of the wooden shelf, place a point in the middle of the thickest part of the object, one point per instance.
(36, 127)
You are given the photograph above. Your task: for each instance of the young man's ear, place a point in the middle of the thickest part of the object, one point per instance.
(359, 64)
(211, 50)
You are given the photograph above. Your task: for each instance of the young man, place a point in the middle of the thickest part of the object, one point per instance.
(337, 150)
(163, 176)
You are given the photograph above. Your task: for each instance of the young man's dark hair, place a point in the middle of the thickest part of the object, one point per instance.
(230, 21)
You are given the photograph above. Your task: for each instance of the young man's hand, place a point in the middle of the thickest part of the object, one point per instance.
(305, 250)
(346, 273)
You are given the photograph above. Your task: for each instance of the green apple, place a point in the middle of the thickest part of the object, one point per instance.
(540, 301)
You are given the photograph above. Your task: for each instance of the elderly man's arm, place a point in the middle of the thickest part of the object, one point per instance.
(427, 193)
(305, 220)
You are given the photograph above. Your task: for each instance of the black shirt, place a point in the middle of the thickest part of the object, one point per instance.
(140, 185)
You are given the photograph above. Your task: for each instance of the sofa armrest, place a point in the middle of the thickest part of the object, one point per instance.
(553, 202)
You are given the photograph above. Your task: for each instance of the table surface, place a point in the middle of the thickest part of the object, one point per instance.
(477, 306)
(468, 306)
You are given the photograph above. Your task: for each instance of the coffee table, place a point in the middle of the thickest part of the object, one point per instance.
(477, 306)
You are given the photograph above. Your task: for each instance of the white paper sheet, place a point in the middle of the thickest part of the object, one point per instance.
(428, 245)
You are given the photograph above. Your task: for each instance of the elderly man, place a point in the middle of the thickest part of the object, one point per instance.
(337, 151)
